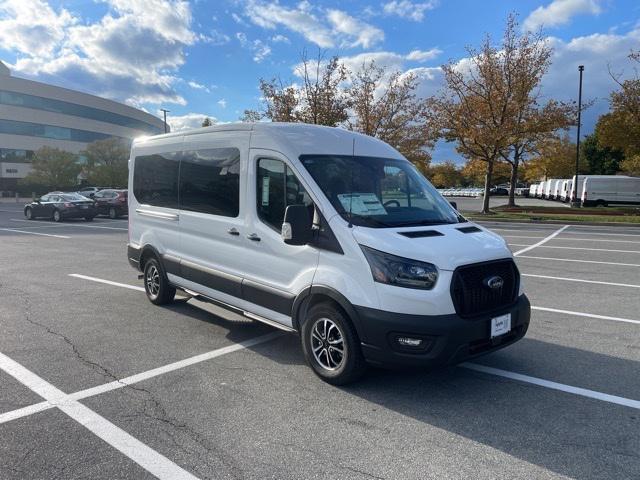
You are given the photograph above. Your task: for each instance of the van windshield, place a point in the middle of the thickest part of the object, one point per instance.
(379, 192)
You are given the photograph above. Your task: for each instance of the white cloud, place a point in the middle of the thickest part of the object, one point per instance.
(260, 49)
(222, 102)
(188, 121)
(216, 38)
(325, 28)
(408, 9)
(560, 12)
(423, 55)
(363, 34)
(280, 39)
(131, 54)
(198, 86)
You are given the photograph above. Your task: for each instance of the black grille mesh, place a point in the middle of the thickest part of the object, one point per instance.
(472, 297)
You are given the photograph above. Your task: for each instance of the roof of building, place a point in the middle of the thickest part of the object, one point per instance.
(4, 70)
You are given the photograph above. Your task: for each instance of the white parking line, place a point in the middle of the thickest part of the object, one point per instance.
(583, 392)
(70, 225)
(575, 239)
(588, 315)
(580, 280)
(582, 261)
(108, 282)
(33, 233)
(573, 248)
(544, 240)
(131, 447)
(572, 232)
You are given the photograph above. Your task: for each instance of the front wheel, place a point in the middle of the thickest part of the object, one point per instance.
(57, 216)
(156, 285)
(28, 213)
(331, 345)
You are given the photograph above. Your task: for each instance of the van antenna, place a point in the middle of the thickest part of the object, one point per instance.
(353, 160)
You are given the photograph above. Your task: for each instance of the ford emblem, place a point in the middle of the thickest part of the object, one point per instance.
(494, 283)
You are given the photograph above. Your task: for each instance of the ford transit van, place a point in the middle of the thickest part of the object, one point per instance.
(610, 190)
(325, 232)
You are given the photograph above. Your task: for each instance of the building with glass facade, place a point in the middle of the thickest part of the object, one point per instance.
(34, 114)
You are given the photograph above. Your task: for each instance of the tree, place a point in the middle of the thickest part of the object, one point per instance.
(475, 108)
(53, 168)
(107, 162)
(445, 174)
(281, 102)
(555, 158)
(631, 166)
(384, 105)
(207, 122)
(474, 172)
(599, 159)
(620, 128)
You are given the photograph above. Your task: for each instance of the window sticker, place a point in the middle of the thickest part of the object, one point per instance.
(362, 203)
(265, 190)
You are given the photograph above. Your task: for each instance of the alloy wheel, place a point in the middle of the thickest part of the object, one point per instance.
(327, 344)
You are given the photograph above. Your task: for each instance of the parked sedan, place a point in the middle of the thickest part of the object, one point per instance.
(58, 206)
(111, 202)
(499, 191)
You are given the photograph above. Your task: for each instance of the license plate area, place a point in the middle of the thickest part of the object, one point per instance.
(500, 325)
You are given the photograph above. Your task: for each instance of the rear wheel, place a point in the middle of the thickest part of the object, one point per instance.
(28, 213)
(57, 216)
(331, 345)
(113, 213)
(88, 219)
(156, 285)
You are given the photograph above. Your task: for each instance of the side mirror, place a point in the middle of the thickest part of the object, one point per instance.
(296, 228)
(454, 205)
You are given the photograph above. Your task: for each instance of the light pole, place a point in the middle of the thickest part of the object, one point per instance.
(164, 110)
(576, 200)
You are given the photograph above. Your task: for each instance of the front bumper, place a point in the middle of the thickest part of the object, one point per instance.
(448, 339)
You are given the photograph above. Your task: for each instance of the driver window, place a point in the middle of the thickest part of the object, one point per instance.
(44, 198)
(277, 187)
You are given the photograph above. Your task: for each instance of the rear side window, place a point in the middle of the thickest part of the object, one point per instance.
(155, 179)
(210, 181)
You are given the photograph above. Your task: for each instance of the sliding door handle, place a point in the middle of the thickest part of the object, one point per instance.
(233, 231)
(253, 237)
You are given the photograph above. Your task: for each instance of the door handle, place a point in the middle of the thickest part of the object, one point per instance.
(233, 231)
(253, 237)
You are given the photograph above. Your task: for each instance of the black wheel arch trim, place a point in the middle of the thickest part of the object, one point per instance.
(302, 301)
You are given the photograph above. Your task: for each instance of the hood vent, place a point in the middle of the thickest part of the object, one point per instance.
(468, 229)
(422, 233)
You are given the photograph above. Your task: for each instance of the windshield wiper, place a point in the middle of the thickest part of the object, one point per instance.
(367, 219)
(423, 223)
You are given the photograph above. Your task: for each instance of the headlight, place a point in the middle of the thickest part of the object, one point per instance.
(399, 271)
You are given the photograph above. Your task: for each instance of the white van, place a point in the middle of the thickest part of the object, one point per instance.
(324, 232)
(565, 190)
(617, 189)
(556, 188)
(533, 190)
(540, 191)
(582, 178)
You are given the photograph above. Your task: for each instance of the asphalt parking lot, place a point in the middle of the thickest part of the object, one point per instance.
(111, 386)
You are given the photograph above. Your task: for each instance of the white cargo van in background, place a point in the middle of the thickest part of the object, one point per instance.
(556, 189)
(581, 179)
(603, 191)
(549, 187)
(533, 190)
(565, 190)
(325, 232)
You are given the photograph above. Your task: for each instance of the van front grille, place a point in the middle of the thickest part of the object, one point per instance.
(472, 294)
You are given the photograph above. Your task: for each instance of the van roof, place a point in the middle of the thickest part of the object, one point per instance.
(301, 137)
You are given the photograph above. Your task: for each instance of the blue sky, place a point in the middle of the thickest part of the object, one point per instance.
(204, 57)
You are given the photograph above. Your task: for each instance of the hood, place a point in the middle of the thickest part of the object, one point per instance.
(447, 249)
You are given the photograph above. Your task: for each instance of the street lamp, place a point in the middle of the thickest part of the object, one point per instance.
(576, 200)
(163, 110)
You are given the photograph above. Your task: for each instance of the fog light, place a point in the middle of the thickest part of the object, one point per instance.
(409, 342)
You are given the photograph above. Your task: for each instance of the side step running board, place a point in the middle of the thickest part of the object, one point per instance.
(239, 311)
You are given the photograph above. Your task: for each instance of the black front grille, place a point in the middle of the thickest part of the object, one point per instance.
(470, 293)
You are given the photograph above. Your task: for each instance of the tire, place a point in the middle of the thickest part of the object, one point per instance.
(156, 285)
(88, 219)
(28, 213)
(324, 331)
(56, 216)
(113, 213)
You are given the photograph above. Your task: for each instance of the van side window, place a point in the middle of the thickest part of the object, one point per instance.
(210, 181)
(277, 188)
(155, 179)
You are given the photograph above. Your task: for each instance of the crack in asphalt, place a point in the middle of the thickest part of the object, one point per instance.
(152, 408)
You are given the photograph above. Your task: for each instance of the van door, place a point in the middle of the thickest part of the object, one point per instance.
(275, 272)
(212, 215)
